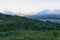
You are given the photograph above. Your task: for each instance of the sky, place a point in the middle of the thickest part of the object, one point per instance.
(26, 6)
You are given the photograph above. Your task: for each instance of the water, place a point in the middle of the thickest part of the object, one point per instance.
(52, 20)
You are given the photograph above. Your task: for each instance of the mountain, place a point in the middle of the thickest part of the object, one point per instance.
(8, 12)
(46, 14)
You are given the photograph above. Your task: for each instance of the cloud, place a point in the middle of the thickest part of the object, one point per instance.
(26, 6)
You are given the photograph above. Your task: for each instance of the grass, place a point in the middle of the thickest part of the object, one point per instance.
(30, 35)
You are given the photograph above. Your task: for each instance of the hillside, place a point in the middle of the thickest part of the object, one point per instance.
(21, 28)
(9, 22)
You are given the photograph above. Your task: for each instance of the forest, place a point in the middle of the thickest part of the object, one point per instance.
(21, 28)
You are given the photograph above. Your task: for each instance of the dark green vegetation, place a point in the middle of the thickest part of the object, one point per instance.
(21, 28)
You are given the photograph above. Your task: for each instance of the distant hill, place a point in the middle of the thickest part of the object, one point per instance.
(46, 14)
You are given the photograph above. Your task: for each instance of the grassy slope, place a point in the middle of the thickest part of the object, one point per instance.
(21, 28)
(31, 35)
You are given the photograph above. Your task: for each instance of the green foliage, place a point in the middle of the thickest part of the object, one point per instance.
(29, 35)
(10, 23)
(21, 28)
(55, 33)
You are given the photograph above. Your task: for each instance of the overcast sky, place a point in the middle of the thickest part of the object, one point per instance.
(28, 5)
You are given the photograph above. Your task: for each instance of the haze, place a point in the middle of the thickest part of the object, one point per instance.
(26, 6)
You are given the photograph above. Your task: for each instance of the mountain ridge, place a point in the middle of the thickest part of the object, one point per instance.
(46, 14)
